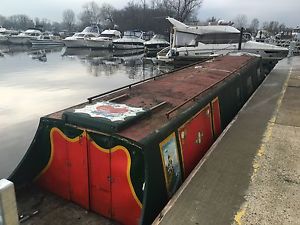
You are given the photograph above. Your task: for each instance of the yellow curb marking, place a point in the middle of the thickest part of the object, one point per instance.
(262, 149)
(238, 216)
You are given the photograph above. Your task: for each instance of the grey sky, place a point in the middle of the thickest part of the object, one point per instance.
(286, 11)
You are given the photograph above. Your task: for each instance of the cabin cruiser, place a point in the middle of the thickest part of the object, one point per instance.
(78, 39)
(7, 32)
(202, 42)
(262, 36)
(4, 33)
(105, 39)
(3, 38)
(47, 39)
(25, 37)
(130, 40)
(156, 43)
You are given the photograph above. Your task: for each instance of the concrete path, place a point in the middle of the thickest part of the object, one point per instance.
(252, 173)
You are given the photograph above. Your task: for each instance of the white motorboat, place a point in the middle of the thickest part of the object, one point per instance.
(156, 43)
(47, 39)
(202, 42)
(78, 39)
(105, 39)
(4, 33)
(25, 37)
(262, 35)
(130, 40)
(3, 38)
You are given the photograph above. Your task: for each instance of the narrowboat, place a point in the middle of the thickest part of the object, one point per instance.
(124, 153)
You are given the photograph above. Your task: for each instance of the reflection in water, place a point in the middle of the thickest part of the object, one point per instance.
(37, 81)
(107, 62)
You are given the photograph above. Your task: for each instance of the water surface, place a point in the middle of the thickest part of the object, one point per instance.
(36, 82)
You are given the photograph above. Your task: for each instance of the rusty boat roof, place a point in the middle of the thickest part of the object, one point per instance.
(162, 97)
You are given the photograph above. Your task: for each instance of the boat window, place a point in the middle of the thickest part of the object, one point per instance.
(218, 38)
(108, 35)
(133, 33)
(89, 35)
(128, 33)
(185, 39)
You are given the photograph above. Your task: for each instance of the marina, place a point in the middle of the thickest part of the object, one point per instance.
(136, 128)
(49, 79)
(149, 113)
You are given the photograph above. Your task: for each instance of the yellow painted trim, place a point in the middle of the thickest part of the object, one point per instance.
(52, 148)
(181, 152)
(172, 135)
(115, 149)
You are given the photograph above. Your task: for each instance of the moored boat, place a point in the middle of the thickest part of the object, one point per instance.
(3, 38)
(47, 39)
(25, 37)
(130, 40)
(203, 42)
(78, 39)
(105, 40)
(156, 43)
(5, 33)
(124, 153)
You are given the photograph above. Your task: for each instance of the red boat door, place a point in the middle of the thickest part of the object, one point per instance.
(66, 173)
(196, 136)
(100, 179)
(78, 170)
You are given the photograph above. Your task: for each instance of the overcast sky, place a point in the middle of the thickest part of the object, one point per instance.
(286, 11)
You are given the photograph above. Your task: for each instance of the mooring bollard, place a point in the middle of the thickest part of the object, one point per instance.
(8, 205)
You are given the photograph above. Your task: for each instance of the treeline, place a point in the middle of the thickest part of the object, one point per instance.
(137, 14)
(142, 14)
(273, 27)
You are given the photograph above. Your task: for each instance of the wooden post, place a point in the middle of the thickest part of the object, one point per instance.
(241, 38)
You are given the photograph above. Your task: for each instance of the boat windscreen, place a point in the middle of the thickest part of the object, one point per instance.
(91, 29)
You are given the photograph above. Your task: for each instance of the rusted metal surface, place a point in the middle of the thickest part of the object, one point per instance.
(176, 89)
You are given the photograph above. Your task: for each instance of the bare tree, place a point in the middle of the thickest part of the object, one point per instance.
(2, 20)
(240, 21)
(273, 26)
(90, 14)
(107, 15)
(21, 22)
(182, 9)
(68, 19)
(254, 25)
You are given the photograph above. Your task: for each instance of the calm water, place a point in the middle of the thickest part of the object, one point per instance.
(36, 82)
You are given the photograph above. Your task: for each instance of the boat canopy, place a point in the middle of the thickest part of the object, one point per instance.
(202, 29)
(109, 33)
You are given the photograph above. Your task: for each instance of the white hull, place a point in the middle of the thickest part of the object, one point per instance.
(19, 40)
(98, 44)
(47, 42)
(75, 43)
(211, 50)
(128, 42)
(128, 46)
